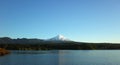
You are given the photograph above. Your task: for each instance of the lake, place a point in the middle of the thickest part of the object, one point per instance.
(62, 57)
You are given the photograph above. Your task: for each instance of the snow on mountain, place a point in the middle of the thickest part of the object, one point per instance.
(58, 38)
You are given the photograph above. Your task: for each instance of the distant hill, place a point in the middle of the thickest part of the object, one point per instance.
(56, 39)
(8, 40)
(56, 43)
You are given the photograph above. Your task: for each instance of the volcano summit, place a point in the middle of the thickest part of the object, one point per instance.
(59, 38)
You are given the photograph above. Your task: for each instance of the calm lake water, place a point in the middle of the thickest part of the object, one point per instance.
(62, 57)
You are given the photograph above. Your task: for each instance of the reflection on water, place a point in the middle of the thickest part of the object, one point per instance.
(36, 52)
(36, 58)
(62, 57)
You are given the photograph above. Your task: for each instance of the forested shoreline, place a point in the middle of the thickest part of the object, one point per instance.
(38, 44)
(61, 46)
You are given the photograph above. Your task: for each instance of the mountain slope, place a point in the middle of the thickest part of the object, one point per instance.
(59, 38)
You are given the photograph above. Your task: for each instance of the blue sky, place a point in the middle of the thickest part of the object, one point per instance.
(79, 20)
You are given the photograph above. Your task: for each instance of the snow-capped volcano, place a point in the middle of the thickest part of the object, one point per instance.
(58, 38)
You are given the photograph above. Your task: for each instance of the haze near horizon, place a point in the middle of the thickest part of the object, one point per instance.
(78, 20)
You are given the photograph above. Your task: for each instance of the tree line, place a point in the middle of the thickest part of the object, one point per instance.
(39, 44)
